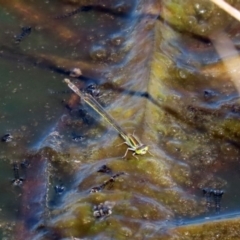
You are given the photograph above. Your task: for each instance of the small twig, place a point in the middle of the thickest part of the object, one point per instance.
(228, 8)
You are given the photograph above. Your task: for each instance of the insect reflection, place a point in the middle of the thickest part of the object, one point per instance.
(213, 197)
(17, 181)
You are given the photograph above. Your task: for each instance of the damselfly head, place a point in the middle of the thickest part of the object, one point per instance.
(141, 150)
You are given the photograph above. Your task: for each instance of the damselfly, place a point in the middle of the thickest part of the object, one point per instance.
(131, 140)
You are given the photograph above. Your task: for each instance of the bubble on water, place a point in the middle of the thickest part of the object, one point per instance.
(182, 74)
(203, 10)
(228, 149)
(117, 40)
(199, 9)
(126, 231)
(148, 229)
(197, 6)
(114, 57)
(203, 28)
(173, 146)
(192, 20)
(122, 7)
(98, 53)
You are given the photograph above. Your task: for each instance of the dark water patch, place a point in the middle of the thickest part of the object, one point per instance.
(24, 33)
(96, 8)
(10, 199)
(62, 180)
(78, 34)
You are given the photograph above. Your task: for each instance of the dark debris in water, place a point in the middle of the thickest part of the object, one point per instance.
(208, 94)
(106, 183)
(7, 138)
(93, 89)
(104, 169)
(103, 209)
(77, 138)
(59, 189)
(24, 33)
(25, 163)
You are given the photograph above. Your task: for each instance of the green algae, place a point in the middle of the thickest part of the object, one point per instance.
(196, 17)
(226, 230)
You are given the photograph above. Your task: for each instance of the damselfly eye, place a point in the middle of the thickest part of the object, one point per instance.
(142, 150)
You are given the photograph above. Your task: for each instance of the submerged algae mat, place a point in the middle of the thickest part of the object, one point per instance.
(158, 75)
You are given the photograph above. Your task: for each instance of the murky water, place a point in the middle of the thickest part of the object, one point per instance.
(156, 77)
